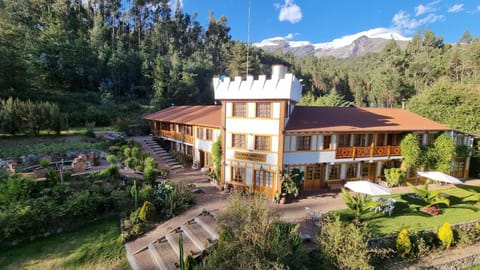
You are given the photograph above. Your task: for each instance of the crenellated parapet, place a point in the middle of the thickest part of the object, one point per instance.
(282, 85)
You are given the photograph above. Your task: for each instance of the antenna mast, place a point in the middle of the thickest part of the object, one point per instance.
(248, 34)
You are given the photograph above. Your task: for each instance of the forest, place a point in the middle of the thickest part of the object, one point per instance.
(107, 62)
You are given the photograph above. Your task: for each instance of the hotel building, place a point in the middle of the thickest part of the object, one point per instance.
(264, 134)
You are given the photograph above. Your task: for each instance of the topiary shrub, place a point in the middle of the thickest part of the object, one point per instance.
(147, 212)
(445, 235)
(403, 243)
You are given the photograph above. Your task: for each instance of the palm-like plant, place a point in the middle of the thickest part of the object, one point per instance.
(358, 203)
(429, 197)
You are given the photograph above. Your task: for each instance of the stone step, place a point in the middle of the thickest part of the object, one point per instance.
(177, 166)
(163, 255)
(189, 247)
(199, 236)
(208, 223)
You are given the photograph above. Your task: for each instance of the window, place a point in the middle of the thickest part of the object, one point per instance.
(327, 142)
(209, 134)
(262, 143)
(431, 138)
(238, 174)
(200, 133)
(263, 110)
(352, 170)
(420, 139)
(460, 139)
(238, 140)
(334, 172)
(189, 151)
(357, 139)
(365, 170)
(303, 143)
(393, 139)
(344, 140)
(239, 109)
(380, 139)
(263, 178)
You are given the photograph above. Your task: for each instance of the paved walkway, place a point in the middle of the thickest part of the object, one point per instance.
(215, 201)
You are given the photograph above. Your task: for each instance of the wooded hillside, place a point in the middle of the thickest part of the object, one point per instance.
(102, 61)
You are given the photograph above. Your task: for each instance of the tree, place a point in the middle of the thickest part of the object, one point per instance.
(445, 152)
(217, 41)
(411, 151)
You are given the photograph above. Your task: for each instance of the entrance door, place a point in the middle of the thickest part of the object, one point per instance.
(263, 182)
(202, 159)
(314, 177)
(369, 171)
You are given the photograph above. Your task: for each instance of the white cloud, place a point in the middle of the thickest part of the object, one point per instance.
(403, 22)
(291, 35)
(456, 8)
(421, 9)
(289, 11)
(428, 8)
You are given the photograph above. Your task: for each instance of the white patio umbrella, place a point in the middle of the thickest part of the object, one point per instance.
(441, 177)
(367, 187)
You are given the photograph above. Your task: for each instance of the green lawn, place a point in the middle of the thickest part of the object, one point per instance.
(464, 207)
(93, 247)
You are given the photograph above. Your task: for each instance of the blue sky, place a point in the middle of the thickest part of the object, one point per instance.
(325, 20)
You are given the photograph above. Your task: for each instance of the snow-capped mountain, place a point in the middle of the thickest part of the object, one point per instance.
(358, 44)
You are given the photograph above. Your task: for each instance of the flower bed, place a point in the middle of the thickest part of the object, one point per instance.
(430, 210)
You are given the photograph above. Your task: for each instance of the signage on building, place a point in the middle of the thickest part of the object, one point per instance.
(250, 156)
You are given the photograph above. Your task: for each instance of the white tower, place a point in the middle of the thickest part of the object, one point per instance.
(254, 116)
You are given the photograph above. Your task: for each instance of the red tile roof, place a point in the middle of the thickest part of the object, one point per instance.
(351, 119)
(201, 115)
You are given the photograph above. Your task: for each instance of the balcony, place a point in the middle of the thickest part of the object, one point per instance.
(367, 151)
(175, 136)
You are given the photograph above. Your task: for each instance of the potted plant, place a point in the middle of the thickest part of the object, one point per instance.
(292, 182)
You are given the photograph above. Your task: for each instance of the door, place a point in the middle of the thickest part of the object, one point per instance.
(263, 182)
(202, 159)
(314, 177)
(369, 171)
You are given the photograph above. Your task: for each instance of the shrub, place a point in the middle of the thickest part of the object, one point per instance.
(445, 235)
(343, 245)
(110, 173)
(394, 176)
(403, 243)
(127, 152)
(44, 163)
(358, 203)
(422, 243)
(119, 199)
(150, 175)
(135, 152)
(147, 211)
(111, 159)
(146, 193)
(138, 228)
(252, 237)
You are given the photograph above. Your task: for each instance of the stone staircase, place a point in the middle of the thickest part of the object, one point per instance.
(199, 234)
(156, 149)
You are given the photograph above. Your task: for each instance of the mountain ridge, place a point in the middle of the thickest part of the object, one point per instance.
(358, 44)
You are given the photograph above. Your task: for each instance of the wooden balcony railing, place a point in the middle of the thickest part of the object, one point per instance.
(367, 151)
(175, 136)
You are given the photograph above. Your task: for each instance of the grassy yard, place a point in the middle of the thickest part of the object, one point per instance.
(93, 247)
(464, 207)
(20, 145)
